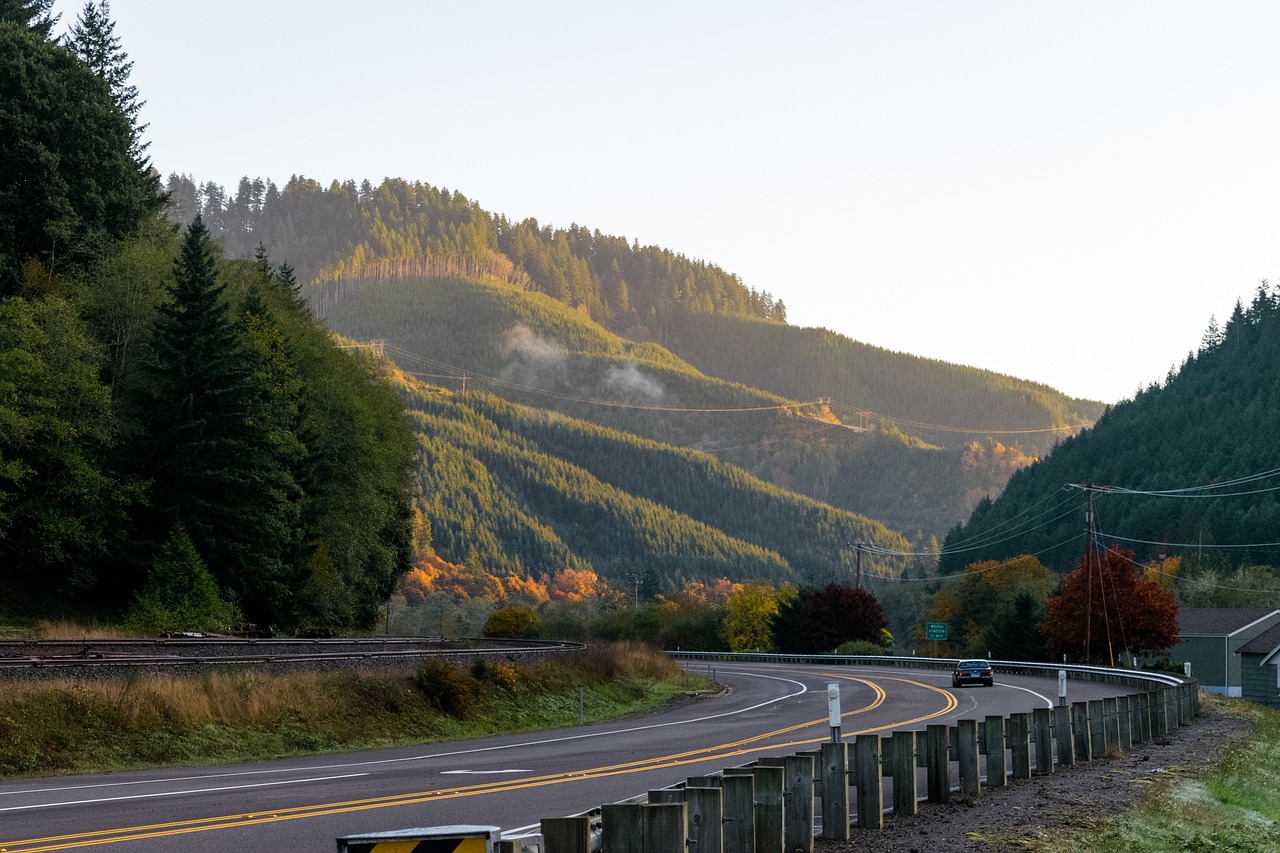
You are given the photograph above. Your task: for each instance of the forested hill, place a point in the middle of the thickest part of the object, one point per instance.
(516, 493)
(924, 439)
(1188, 468)
(531, 349)
(944, 404)
(342, 237)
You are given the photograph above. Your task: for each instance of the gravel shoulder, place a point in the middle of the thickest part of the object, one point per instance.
(1025, 812)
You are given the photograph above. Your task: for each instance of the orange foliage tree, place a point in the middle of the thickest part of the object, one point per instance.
(433, 576)
(571, 585)
(698, 594)
(1105, 606)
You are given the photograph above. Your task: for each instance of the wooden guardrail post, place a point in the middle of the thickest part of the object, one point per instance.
(1062, 732)
(739, 812)
(566, 834)
(1124, 716)
(706, 819)
(1159, 712)
(1080, 726)
(937, 762)
(768, 810)
(1142, 716)
(1111, 716)
(993, 745)
(967, 759)
(833, 763)
(666, 828)
(1019, 735)
(905, 786)
(622, 828)
(1042, 726)
(798, 829)
(866, 761)
(1097, 729)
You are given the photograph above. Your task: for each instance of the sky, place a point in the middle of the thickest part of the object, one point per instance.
(1064, 192)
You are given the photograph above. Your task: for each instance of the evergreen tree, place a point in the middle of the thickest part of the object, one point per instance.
(31, 14)
(214, 468)
(180, 594)
(59, 503)
(93, 39)
(70, 184)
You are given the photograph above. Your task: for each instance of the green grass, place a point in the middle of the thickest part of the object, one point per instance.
(49, 728)
(1233, 806)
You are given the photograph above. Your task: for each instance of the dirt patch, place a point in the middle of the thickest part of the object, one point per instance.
(1026, 811)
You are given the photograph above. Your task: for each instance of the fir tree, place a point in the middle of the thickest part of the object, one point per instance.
(93, 39)
(31, 14)
(213, 466)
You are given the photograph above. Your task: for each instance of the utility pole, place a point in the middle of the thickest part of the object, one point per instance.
(857, 562)
(1090, 533)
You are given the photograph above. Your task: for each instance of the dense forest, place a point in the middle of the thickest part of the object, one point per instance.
(605, 330)
(344, 238)
(1187, 467)
(174, 426)
(527, 492)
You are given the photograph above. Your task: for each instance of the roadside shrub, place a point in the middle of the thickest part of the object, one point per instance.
(861, 648)
(447, 688)
(516, 623)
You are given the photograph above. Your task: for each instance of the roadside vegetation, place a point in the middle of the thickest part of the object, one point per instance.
(59, 727)
(1231, 805)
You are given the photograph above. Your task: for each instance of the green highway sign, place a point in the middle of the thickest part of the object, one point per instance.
(935, 630)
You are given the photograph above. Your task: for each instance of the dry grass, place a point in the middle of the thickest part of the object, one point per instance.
(61, 630)
(79, 726)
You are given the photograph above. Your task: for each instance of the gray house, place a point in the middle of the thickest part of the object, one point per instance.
(1260, 668)
(1211, 639)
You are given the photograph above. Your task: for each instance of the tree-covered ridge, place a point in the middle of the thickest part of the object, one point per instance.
(344, 237)
(535, 350)
(529, 348)
(1154, 460)
(517, 491)
(171, 423)
(73, 183)
(932, 399)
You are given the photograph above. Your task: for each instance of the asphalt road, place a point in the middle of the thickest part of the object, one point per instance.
(510, 782)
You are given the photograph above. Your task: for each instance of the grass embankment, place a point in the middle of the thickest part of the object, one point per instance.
(51, 727)
(1231, 806)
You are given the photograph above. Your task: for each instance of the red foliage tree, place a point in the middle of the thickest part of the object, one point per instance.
(835, 614)
(1105, 607)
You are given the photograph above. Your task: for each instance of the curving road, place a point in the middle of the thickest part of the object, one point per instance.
(510, 781)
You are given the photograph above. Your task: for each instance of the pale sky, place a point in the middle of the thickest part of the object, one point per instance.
(1061, 191)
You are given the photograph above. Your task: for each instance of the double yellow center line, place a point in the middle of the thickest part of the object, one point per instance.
(724, 751)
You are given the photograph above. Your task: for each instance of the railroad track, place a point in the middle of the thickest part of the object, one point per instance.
(195, 654)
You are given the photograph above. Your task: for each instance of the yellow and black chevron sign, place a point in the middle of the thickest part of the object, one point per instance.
(425, 845)
(440, 839)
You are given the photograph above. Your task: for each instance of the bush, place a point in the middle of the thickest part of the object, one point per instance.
(447, 688)
(516, 623)
(180, 593)
(860, 648)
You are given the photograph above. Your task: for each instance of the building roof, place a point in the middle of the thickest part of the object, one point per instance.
(1219, 621)
(1265, 643)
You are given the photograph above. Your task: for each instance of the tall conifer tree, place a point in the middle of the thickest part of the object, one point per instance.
(213, 467)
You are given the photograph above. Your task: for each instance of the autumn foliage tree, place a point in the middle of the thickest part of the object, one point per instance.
(1105, 606)
(820, 620)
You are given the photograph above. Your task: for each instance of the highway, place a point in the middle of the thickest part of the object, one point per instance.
(511, 782)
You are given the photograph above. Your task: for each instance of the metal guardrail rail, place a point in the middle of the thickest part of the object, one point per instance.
(1010, 667)
(188, 651)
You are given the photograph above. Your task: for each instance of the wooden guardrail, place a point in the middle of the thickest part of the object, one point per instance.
(768, 806)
